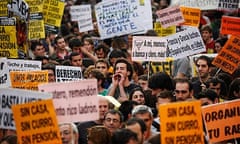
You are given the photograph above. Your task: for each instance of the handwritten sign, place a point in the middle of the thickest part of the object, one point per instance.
(8, 40)
(4, 73)
(74, 101)
(148, 48)
(36, 27)
(191, 16)
(185, 43)
(181, 123)
(202, 4)
(36, 123)
(23, 65)
(228, 58)
(28, 79)
(68, 73)
(115, 18)
(162, 32)
(230, 25)
(222, 120)
(9, 97)
(170, 16)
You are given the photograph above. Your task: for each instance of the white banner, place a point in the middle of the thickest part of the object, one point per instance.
(4, 73)
(23, 65)
(67, 73)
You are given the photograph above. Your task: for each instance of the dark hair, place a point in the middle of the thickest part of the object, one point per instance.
(122, 136)
(99, 135)
(143, 77)
(102, 46)
(75, 42)
(208, 93)
(206, 28)
(57, 38)
(166, 94)
(73, 54)
(183, 80)
(98, 75)
(139, 121)
(34, 44)
(215, 81)
(160, 80)
(117, 54)
(10, 139)
(129, 66)
(234, 87)
(114, 112)
(126, 108)
(205, 58)
(221, 41)
(134, 90)
(102, 61)
(50, 66)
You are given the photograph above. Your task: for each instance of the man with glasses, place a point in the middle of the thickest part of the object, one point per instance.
(113, 120)
(183, 89)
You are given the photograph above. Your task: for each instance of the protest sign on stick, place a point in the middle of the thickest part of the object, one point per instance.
(36, 122)
(181, 123)
(222, 120)
(228, 58)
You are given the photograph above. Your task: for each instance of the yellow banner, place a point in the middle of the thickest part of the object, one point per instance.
(36, 6)
(53, 12)
(36, 29)
(4, 9)
(181, 123)
(36, 123)
(164, 31)
(28, 79)
(8, 40)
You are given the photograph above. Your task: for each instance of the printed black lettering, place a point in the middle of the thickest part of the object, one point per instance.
(25, 111)
(214, 133)
(25, 126)
(172, 112)
(186, 110)
(39, 109)
(171, 126)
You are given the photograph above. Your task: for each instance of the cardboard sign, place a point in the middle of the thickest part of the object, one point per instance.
(181, 123)
(9, 97)
(202, 4)
(28, 79)
(222, 120)
(36, 6)
(4, 73)
(148, 48)
(185, 43)
(228, 58)
(115, 18)
(230, 25)
(68, 73)
(162, 32)
(4, 9)
(23, 65)
(170, 16)
(191, 16)
(74, 101)
(19, 8)
(8, 40)
(36, 123)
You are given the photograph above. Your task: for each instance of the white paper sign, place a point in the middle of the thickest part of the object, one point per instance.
(67, 73)
(9, 97)
(185, 43)
(149, 48)
(202, 4)
(122, 17)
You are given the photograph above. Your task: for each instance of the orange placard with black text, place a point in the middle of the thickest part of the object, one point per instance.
(222, 120)
(36, 123)
(230, 25)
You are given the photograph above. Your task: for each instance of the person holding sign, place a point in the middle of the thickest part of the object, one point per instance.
(121, 85)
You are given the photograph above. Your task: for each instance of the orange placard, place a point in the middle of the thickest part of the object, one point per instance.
(28, 79)
(230, 25)
(181, 123)
(36, 123)
(191, 16)
(229, 56)
(222, 120)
